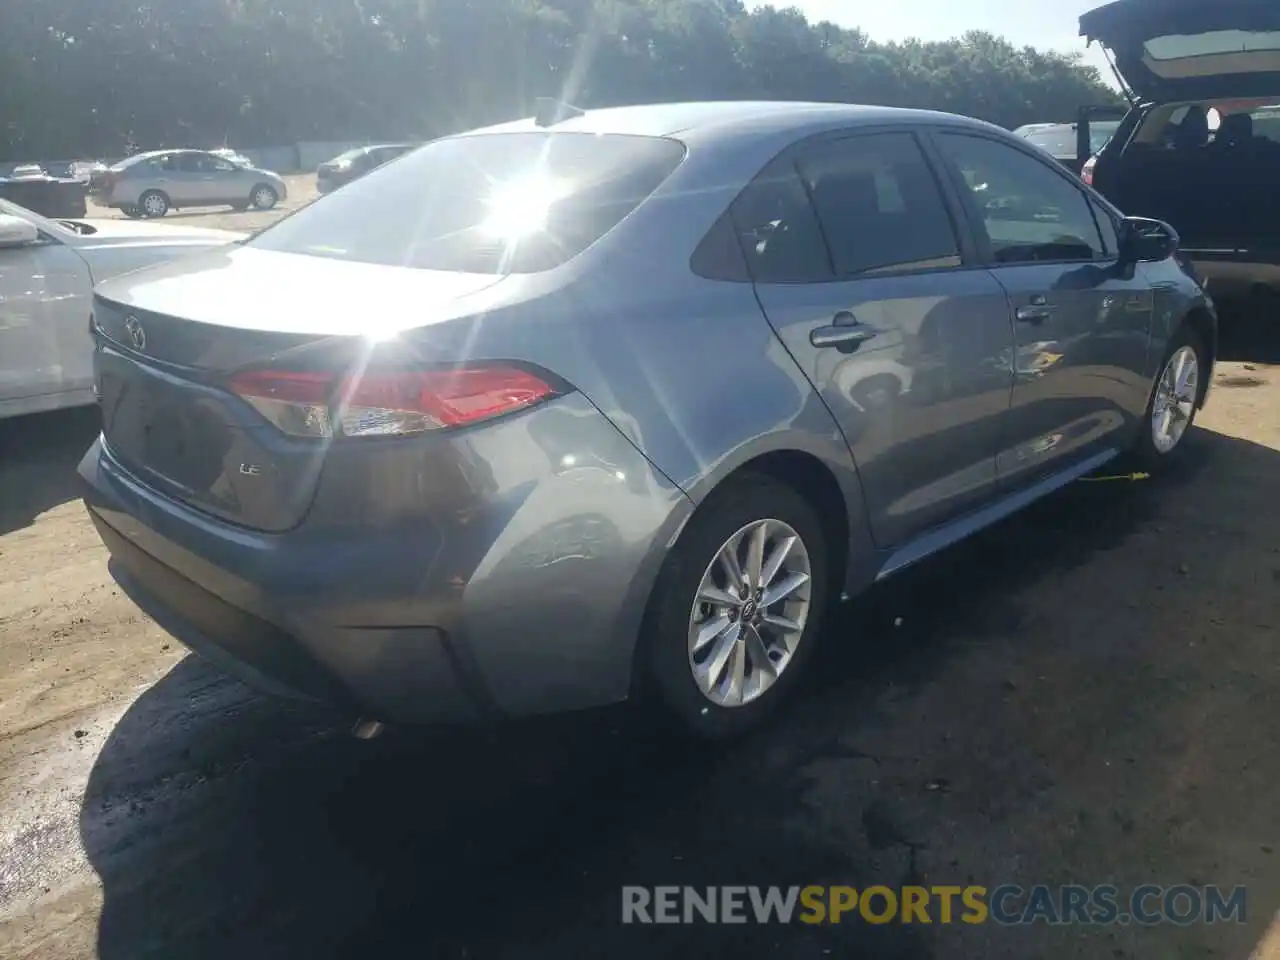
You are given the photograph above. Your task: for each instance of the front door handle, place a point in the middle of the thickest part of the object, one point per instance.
(846, 333)
(1033, 314)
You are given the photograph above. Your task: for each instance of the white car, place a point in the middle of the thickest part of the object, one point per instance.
(48, 269)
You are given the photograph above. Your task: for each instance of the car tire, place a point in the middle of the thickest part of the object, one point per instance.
(132, 212)
(153, 204)
(713, 684)
(263, 197)
(1175, 398)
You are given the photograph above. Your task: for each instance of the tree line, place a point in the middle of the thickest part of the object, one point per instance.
(85, 79)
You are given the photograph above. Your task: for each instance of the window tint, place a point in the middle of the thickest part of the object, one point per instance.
(193, 163)
(879, 205)
(1031, 212)
(493, 203)
(778, 231)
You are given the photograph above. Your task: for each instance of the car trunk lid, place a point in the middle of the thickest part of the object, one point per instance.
(171, 342)
(1175, 50)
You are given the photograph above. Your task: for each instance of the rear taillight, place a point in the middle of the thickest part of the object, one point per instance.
(1086, 172)
(389, 403)
(296, 402)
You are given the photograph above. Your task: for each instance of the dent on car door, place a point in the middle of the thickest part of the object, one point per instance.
(1082, 319)
(862, 273)
(44, 321)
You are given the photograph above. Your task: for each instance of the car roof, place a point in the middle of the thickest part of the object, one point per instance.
(767, 117)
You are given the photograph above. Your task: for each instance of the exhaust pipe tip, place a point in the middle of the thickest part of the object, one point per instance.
(367, 729)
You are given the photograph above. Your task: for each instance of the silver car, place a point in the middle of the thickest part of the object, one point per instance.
(559, 413)
(152, 184)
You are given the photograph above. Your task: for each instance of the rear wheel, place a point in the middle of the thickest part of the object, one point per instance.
(733, 619)
(1172, 408)
(153, 204)
(264, 197)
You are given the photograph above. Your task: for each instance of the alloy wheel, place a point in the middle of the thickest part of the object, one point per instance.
(750, 612)
(1175, 399)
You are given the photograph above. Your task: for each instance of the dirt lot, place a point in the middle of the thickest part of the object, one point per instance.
(302, 190)
(1087, 693)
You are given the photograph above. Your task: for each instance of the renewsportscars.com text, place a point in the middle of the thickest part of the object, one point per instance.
(1006, 904)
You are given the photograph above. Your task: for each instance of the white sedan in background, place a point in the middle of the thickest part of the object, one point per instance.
(48, 269)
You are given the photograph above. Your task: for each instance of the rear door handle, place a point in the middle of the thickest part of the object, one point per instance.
(846, 333)
(1033, 314)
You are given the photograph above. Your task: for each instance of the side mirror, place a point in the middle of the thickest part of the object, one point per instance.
(1147, 241)
(16, 232)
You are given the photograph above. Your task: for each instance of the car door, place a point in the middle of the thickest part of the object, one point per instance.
(45, 347)
(861, 270)
(224, 180)
(194, 181)
(1082, 318)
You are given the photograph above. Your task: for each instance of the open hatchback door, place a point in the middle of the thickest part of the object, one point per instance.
(1181, 50)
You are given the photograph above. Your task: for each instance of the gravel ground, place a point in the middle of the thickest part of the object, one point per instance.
(1086, 693)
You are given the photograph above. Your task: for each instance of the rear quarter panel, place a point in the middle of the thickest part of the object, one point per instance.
(686, 368)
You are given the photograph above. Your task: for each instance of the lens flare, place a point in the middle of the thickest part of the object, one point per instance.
(520, 208)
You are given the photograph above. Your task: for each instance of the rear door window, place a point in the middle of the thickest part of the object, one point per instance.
(489, 203)
(879, 205)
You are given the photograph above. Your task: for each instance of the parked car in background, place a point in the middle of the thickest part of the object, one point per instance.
(30, 186)
(84, 170)
(356, 163)
(556, 413)
(1060, 140)
(151, 184)
(47, 272)
(1200, 148)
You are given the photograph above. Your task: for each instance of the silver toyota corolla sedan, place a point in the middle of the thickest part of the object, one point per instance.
(553, 414)
(152, 184)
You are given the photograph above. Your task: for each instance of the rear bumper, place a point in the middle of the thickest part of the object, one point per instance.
(529, 603)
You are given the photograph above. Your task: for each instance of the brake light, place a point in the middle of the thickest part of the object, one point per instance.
(1086, 172)
(296, 402)
(389, 403)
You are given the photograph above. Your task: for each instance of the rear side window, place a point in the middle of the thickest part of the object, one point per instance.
(879, 205)
(778, 231)
(493, 203)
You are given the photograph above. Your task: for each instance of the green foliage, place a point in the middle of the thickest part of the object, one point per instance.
(86, 77)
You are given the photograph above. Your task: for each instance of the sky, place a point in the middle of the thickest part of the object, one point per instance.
(1048, 24)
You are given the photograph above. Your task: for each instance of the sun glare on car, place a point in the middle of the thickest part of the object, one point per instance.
(519, 208)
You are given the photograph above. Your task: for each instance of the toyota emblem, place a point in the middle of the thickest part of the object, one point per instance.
(137, 335)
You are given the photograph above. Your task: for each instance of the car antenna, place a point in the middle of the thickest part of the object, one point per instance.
(549, 111)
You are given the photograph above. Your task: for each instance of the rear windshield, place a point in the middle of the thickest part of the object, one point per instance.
(493, 203)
